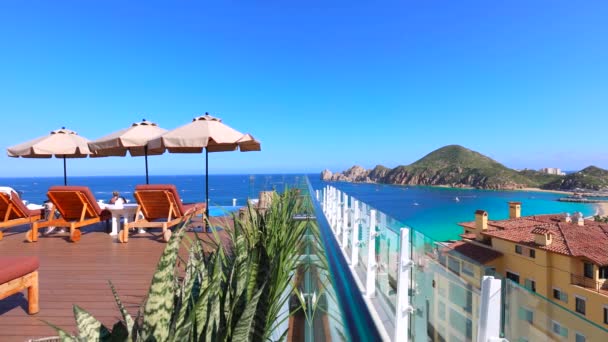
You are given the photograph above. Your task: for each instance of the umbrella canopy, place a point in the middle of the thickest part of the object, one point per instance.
(62, 143)
(204, 133)
(133, 139)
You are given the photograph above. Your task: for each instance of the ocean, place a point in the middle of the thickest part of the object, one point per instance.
(223, 189)
(433, 211)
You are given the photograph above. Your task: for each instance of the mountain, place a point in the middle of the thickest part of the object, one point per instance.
(457, 166)
(591, 177)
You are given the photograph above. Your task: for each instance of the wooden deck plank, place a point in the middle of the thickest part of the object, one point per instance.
(78, 273)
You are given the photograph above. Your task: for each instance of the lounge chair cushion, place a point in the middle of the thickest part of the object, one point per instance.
(21, 210)
(182, 207)
(15, 267)
(102, 213)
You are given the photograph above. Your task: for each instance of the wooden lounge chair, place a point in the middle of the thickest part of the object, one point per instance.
(18, 273)
(159, 206)
(14, 213)
(77, 207)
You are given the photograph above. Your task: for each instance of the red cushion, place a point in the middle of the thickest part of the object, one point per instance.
(163, 187)
(15, 267)
(21, 211)
(88, 194)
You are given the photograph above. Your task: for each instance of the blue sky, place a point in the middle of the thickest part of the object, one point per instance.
(323, 84)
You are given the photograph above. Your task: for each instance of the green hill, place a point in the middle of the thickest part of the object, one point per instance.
(591, 177)
(457, 166)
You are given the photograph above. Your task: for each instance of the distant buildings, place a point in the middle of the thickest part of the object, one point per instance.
(552, 171)
(561, 260)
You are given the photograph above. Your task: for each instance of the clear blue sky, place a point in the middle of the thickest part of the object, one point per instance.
(323, 84)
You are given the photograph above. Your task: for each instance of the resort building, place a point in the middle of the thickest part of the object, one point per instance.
(561, 260)
(552, 171)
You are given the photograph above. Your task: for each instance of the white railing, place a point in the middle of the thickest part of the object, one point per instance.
(348, 217)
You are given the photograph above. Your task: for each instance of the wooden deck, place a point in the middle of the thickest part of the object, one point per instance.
(78, 273)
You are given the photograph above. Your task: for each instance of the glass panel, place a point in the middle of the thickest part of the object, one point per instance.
(549, 320)
(439, 290)
(363, 241)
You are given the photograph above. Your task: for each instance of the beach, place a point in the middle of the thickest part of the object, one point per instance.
(602, 209)
(551, 191)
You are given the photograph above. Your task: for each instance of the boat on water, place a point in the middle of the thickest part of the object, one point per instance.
(456, 199)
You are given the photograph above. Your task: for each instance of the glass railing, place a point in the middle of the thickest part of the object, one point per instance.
(447, 287)
(529, 316)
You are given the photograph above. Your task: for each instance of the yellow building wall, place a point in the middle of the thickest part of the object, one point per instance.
(551, 270)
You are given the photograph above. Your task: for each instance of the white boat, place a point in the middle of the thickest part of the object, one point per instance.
(457, 199)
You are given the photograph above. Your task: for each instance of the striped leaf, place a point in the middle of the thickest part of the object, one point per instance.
(63, 335)
(125, 315)
(89, 328)
(244, 327)
(158, 308)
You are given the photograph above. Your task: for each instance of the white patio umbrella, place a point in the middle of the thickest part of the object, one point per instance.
(204, 133)
(133, 139)
(62, 143)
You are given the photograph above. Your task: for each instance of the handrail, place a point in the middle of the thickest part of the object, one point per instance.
(587, 283)
(358, 322)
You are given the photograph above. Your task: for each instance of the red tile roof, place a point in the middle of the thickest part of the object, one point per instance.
(589, 241)
(472, 251)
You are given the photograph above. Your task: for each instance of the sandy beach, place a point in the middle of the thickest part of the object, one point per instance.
(552, 191)
(602, 209)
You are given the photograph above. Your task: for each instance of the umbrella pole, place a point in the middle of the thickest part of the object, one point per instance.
(65, 174)
(207, 183)
(146, 156)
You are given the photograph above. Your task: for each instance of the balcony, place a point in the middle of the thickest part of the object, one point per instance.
(591, 284)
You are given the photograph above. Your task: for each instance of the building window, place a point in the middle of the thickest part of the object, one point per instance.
(603, 272)
(518, 249)
(530, 285)
(454, 265)
(558, 294)
(468, 269)
(580, 305)
(580, 337)
(532, 253)
(513, 276)
(588, 270)
(558, 329)
(526, 315)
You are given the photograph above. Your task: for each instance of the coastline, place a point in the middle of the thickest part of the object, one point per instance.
(602, 209)
(545, 190)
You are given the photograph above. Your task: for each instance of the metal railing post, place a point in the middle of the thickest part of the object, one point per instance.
(403, 309)
(489, 311)
(338, 222)
(370, 284)
(345, 215)
(354, 237)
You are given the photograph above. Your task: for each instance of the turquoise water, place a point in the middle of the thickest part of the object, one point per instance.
(435, 214)
(435, 211)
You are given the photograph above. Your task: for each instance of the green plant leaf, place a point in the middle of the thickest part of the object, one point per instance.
(245, 326)
(120, 333)
(89, 328)
(158, 308)
(63, 335)
(125, 315)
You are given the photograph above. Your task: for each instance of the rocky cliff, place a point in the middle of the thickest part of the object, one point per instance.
(453, 166)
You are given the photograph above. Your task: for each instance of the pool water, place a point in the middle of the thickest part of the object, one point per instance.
(215, 210)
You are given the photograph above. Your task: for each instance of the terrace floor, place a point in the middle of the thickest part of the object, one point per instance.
(78, 273)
